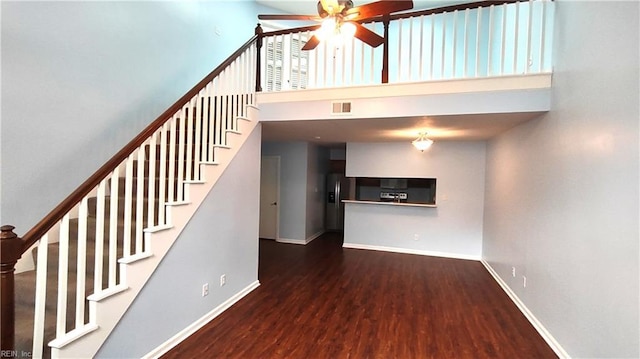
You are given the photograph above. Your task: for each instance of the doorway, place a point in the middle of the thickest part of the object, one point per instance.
(269, 196)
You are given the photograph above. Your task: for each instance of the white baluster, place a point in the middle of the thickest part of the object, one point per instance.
(454, 43)
(503, 36)
(128, 206)
(489, 42)
(410, 68)
(362, 64)
(162, 174)
(41, 296)
(219, 113)
(63, 275)
(212, 115)
(113, 227)
(181, 138)
(443, 49)
(421, 50)
(224, 104)
(465, 44)
(344, 65)
(140, 200)
(188, 173)
(516, 32)
(372, 73)
(399, 50)
(207, 129)
(171, 175)
(353, 61)
(233, 92)
(197, 155)
(542, 34)
(242, 82)
(528, 60)
(432, 47)
(151, 190)
(81, 272)
(99, 249)
(316, 64)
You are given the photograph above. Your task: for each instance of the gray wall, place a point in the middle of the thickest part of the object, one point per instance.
(317, 169)
(222, 238)
(303, 169)
(562, 192)
(454, 228)
(82, 78)
(293, 187)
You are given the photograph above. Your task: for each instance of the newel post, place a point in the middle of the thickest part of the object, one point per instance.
(385, 51)
(10, 252)
(258, 33)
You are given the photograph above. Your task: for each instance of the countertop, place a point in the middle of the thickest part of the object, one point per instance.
(391, 203)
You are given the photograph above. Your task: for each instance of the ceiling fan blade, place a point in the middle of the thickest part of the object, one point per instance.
(311, 44)
(289, 17)
(367, 36)
(377, 8)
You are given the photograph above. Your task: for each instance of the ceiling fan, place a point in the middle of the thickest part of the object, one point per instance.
(340, 17)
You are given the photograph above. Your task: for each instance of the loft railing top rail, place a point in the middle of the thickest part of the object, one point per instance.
(452, 8)
(403, 15)
(42, 227)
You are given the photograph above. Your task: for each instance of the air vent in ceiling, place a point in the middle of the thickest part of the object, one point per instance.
(339, 108)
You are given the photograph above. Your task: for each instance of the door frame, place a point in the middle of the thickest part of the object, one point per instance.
(277, 189)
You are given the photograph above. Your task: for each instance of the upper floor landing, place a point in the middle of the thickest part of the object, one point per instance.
(481, 60)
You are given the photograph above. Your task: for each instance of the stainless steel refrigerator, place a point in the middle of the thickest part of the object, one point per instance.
(337, 190)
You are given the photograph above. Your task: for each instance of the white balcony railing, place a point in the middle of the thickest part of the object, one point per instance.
(499, 40)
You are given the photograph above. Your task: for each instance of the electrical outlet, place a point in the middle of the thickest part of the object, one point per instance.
(524, 282)
(513, 272)
(205, 289)
(223, 280)
(416, 237)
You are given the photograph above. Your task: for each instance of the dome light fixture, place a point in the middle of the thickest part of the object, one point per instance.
(422, 142)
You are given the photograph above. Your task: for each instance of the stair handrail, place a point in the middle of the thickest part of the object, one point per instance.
(85, 188)
(12, 246)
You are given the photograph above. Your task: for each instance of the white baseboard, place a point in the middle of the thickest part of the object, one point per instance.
(314, 236)
(195, 326)
(291, 241)
(410, 251)
(553, 343)
(300, 241)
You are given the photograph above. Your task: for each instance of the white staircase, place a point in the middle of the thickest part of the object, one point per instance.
(99, 247)
(110, 308)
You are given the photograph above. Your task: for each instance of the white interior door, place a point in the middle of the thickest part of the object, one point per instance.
(269, 195)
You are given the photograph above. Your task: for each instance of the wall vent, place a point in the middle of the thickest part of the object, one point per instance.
(339, 108)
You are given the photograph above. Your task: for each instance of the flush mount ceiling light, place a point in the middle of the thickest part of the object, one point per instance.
(422, 142)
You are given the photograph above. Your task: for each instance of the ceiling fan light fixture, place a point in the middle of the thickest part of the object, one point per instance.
(422, 142)
(327, 29)
(348, 30)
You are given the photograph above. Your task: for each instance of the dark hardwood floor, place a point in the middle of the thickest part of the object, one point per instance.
(323, 301)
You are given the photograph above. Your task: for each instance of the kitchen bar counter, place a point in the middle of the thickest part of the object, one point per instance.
(391, 203)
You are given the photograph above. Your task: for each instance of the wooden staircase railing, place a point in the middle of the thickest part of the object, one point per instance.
(224, 98)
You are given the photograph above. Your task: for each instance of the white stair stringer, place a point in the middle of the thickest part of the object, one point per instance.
(109, 310)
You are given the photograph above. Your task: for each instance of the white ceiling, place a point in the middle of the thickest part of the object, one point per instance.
(331, 132)
(453, 127)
